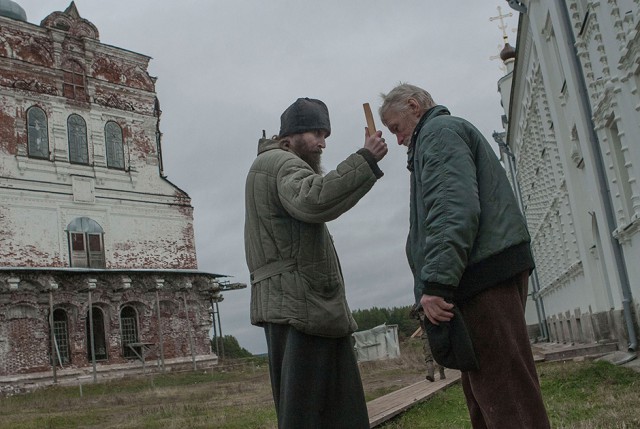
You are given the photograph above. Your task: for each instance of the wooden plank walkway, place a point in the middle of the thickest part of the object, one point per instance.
(390, 405)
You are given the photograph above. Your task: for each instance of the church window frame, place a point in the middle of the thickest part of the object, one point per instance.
(101, 346)
(61, 336)
(74, 82)
(86, 243)
(129, 332)
(114, 144)
(37, 133)
(558, 79)
(622, 175)
(576, 148)
(77, 138)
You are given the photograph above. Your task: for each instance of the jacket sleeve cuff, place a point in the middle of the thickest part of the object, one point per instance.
(437, 289)
(368, 156)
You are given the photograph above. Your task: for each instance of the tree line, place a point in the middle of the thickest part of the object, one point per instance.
(229, 347)
(376, 316)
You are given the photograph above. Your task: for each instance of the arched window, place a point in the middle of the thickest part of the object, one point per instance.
(37, 133)
(78, 148)
(99, 337)
(129, 327)
(61, 336)
(86, 243)
(74, 86)
(114, 144)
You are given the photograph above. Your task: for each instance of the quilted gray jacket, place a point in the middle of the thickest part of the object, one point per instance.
(295, 273)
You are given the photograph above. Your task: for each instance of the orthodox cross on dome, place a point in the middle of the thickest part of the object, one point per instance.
(502, 25)
(506, 52)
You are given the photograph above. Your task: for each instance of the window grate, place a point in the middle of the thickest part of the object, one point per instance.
(129, 335)
(61, 335)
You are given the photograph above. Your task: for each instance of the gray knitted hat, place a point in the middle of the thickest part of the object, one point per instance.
(305, 114)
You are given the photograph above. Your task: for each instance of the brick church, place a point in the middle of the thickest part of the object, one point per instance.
(97, 251)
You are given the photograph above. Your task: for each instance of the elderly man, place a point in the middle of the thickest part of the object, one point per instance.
(469, 250)
(297, 289)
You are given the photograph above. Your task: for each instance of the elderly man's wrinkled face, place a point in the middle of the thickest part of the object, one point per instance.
(308, 146)
(401, 124)
(403, 121)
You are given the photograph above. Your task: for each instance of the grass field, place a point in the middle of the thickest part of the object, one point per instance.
(577, 394)
(584, 395)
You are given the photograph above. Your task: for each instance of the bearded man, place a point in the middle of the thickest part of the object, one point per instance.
(297, 288)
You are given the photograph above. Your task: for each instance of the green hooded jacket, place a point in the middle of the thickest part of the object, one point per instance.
(295, 273)
(467, 232)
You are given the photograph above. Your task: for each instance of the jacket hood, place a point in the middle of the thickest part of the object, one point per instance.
(265, 144)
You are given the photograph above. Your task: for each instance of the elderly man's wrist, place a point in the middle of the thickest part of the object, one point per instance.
(437, 289)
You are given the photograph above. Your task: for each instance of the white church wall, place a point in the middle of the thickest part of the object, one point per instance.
(556, 164)
(609, 40)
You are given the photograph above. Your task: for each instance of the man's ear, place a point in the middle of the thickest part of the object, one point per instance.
(285, 144)
(414, 106)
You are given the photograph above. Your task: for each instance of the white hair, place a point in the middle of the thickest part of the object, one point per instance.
(397, 98)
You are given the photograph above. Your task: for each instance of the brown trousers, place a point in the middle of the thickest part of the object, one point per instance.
(505, 392)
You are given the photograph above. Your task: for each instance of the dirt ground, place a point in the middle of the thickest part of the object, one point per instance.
(378, 378)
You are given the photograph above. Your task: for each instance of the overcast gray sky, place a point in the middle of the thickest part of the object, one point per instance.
(227, 69)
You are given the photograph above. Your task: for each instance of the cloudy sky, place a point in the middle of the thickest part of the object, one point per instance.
(227, 69)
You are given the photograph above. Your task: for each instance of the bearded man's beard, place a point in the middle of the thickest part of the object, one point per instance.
(310, 157)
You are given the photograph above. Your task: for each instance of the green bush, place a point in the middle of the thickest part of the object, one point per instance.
(229, 346)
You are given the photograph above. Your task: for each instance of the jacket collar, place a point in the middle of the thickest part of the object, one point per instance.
(431, 113)
(265, 144)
